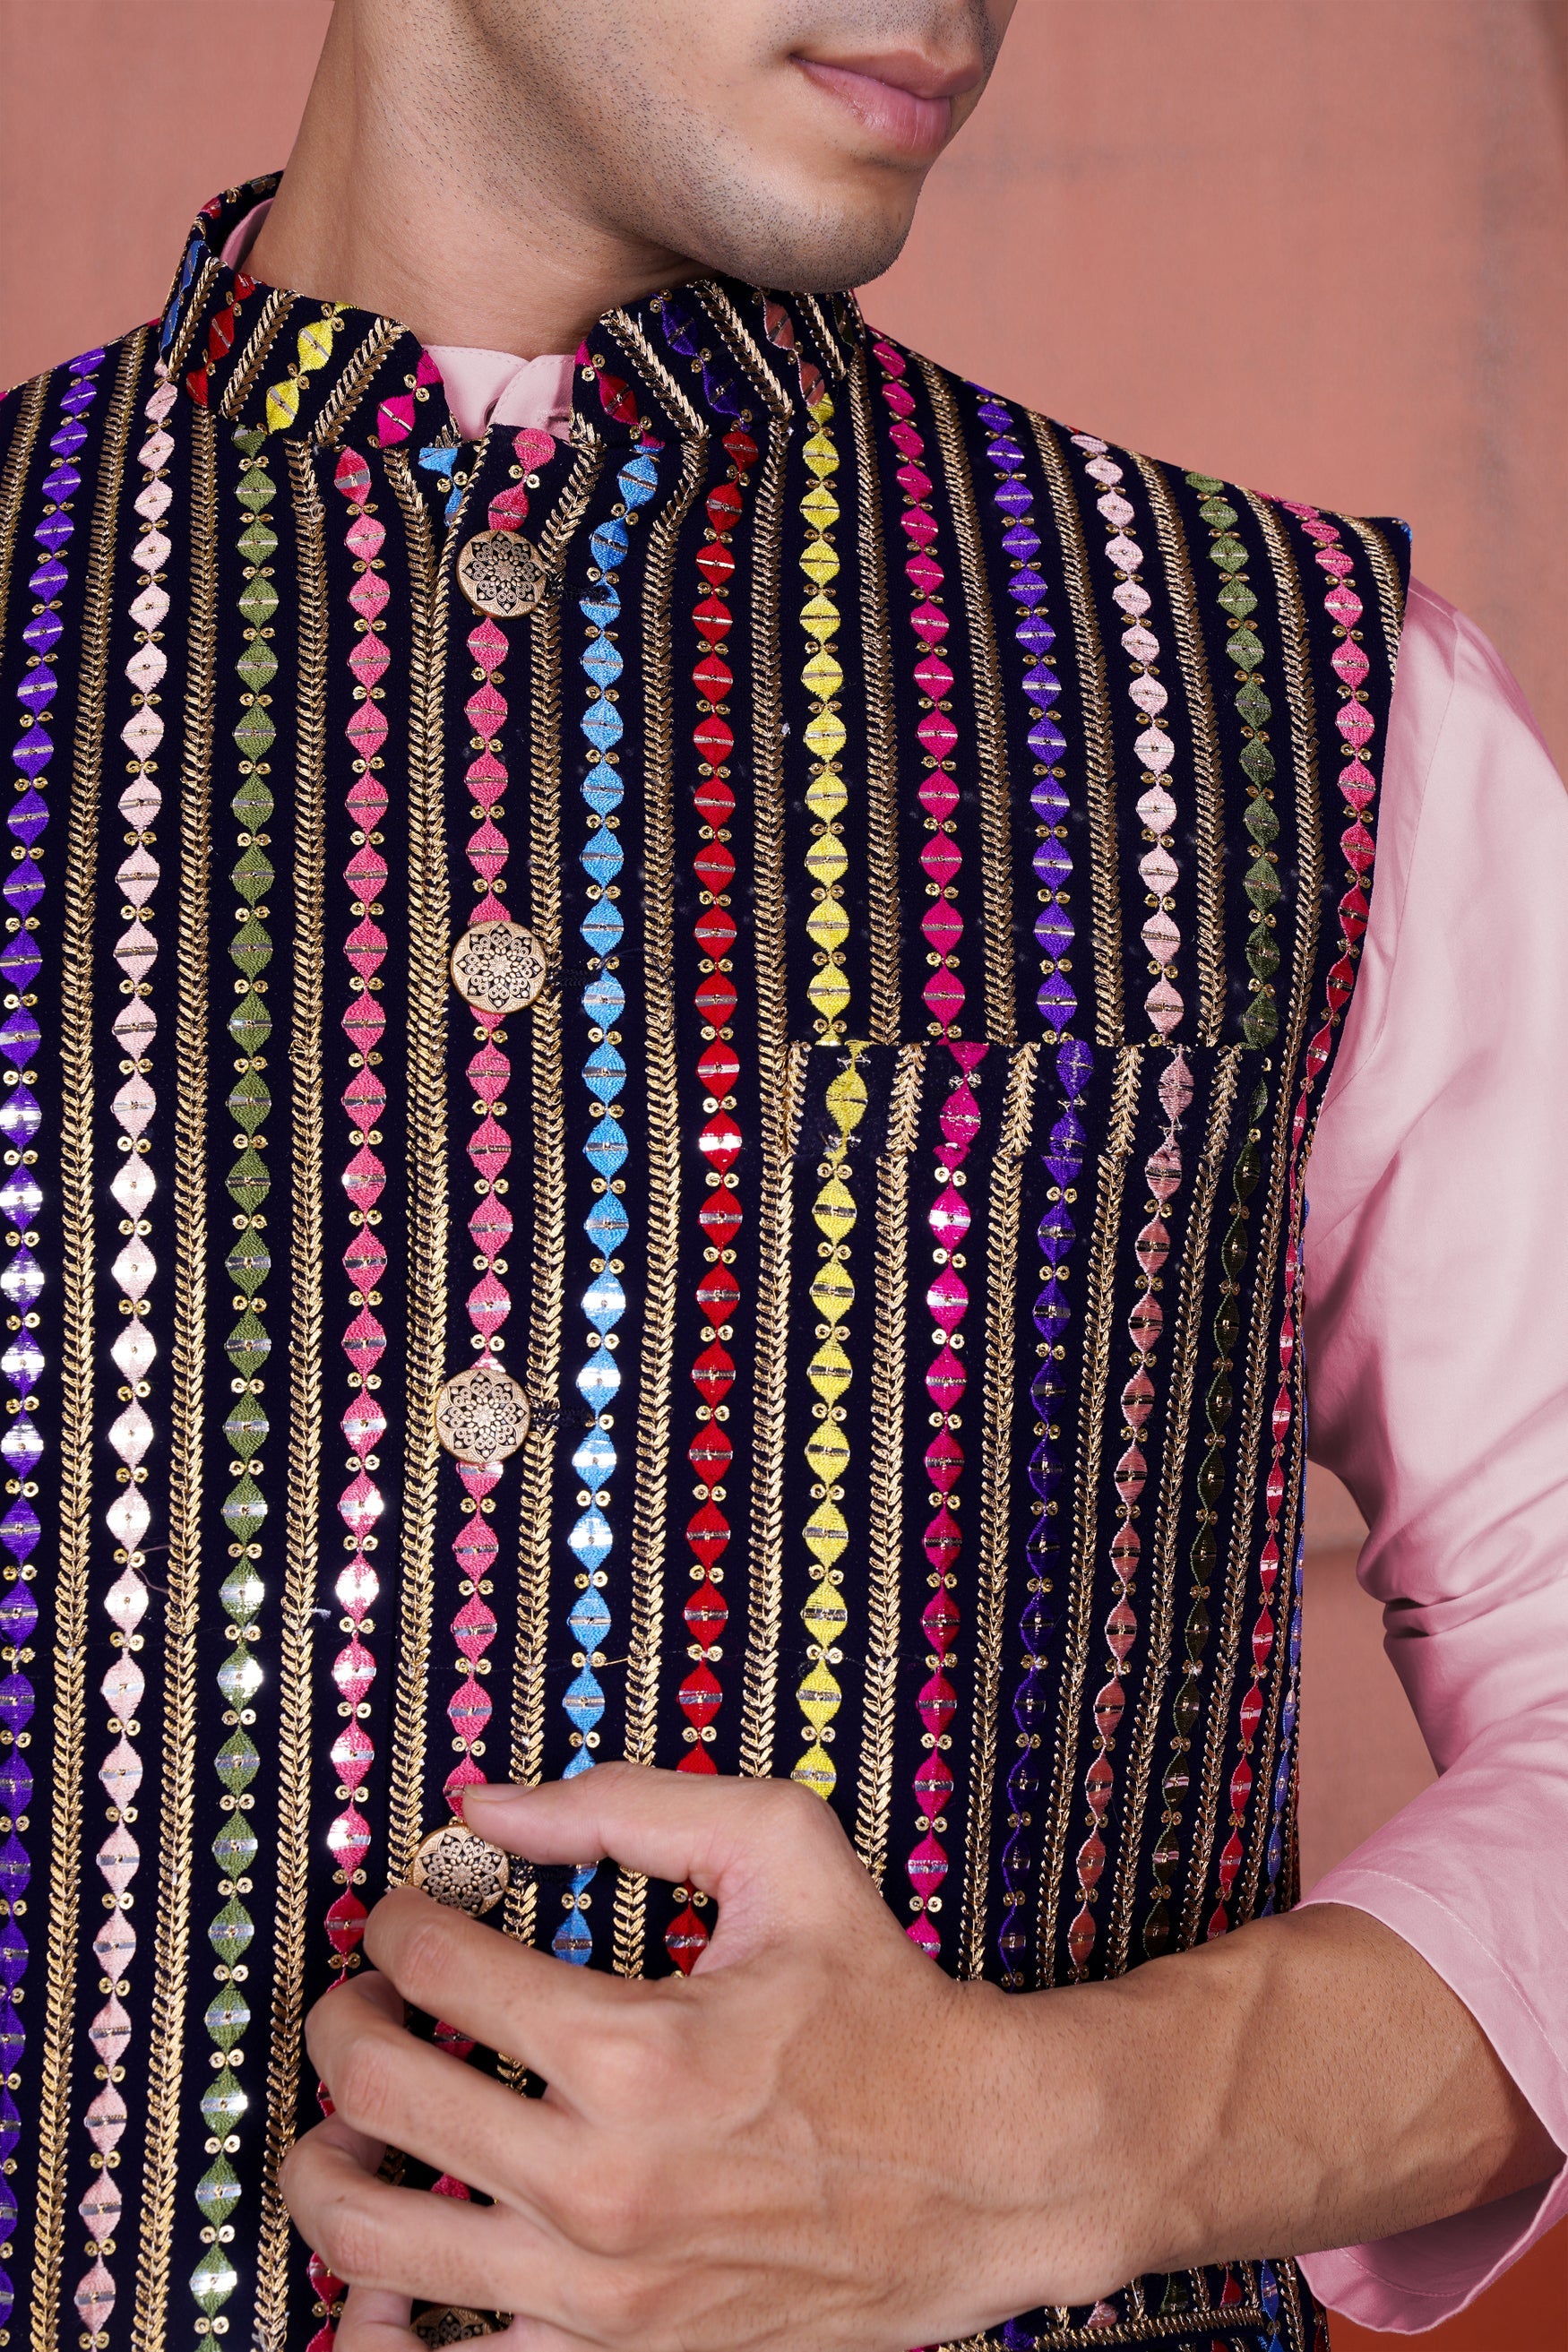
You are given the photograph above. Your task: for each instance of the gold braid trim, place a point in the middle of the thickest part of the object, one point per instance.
(295, 1645)
(1390, 590)
(1001, 1392)
(1257, 1382)
(995, 791)
(1182, 591)
(1106, 1232)
(429, 925)
(79, 1269)
(547, 1099)
(355, 380)
(885, 1518)
(191, 318)
(18, 458)
(1099, 759)
(664, 1179)
(249, 366)
(1162, 1550)
(165, 2040)
(881, 735)
(641, 355)
(778, 1080)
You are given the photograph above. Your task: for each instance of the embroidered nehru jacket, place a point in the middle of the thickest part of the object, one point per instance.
(656, 1097)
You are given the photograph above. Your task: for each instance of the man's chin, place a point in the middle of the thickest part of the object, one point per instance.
(754, 238)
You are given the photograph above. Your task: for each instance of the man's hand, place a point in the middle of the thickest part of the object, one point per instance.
(817, 2139)
(821, 2140)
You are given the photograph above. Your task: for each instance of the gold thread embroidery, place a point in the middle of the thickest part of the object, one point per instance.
(641, 355)
(171, 1936)
(70, 1659)
(827, 795)
(1390, 592)
(777, 1235)
(18, 458)
(664, 1181)
(354, 379)
(549, 1163)
(253, 359)
(834, 1213)
(995, 794)
(1256, 1388)
(1280, 1661)
(295, 1642)
(547, 1094)
(744, 345)
(885, 1520)
(1182, 594)
(193, 316)
(1145, 2328)
(883, 1019)
(828, 342)
(776, 1090)
(1099, 768)
(1163, 1547)
(1001, 1391)
(429, 925)
(1097, 1308)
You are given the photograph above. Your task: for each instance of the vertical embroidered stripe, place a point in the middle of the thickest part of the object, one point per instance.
(604, 1074)
(828, 861)
(660, 960)
(429, 1252)
(834, 1213)
(1105, 1235)
(885, 1529)
(22, 1199)
(130, 1433)
(189, 977)
(991, 743)
(1209, 864)
(1157, 807)
(998, 1405)
(47, 583)
(303, 1534)
(1057, 1003)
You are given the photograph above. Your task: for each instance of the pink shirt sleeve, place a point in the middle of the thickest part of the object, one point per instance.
(1436, 1283)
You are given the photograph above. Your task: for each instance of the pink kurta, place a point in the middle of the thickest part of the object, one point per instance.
(1438, 1392)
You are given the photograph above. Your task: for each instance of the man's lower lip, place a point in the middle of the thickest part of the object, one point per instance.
(919, 127)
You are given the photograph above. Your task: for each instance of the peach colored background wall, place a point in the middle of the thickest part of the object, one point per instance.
(1313, 245)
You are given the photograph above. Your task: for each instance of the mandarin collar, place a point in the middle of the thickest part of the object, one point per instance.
(693, 361)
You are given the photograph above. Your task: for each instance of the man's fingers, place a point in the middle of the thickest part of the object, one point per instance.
(749, 1843)
(493, 1989)
(387, 2087)
(404, 2241)
(374, 2321)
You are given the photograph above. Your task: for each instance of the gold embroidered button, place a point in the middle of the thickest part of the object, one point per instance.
(453, 2323)
(498, 967)
(501, 573)
(455, 1866)
(482, 1415)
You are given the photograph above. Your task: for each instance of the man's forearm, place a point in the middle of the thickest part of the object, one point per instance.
(1308, 2081)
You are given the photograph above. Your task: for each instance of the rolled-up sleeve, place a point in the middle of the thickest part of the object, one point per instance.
(1436, 1268)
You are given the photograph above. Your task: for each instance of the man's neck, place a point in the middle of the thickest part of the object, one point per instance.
(403, 197)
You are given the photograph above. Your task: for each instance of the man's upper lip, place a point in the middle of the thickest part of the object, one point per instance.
(906, 70)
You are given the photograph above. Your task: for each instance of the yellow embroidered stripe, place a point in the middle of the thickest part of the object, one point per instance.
(823, 678)
(827, 1452)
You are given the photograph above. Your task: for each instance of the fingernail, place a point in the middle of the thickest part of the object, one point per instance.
(489, 1795)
